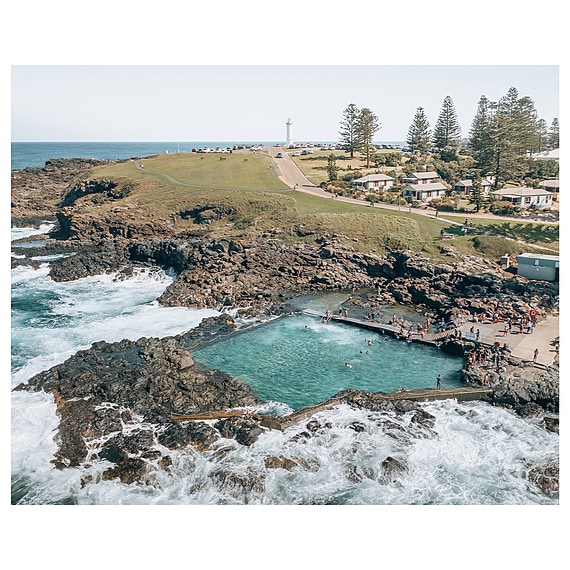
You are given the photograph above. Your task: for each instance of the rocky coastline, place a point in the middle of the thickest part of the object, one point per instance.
(115, 400)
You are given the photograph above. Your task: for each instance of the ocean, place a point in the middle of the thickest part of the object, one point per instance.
(479, 454)
(36, 153)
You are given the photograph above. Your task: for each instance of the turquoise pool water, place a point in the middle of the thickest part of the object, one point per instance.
(299, 361)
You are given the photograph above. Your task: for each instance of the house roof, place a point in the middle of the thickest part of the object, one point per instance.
(468, 182)
(539, 256)
(373, 178)
(543, 259)
(423, 175)
(553, 154)
(427, 187)
(550, 183)
(521, 192)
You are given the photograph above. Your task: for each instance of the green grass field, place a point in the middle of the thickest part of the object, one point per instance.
(258, 200)
(314, 165)
(543, 235)
(240, 170)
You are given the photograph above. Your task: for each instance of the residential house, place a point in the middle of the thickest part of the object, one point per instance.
(553, 154)
(465, 186)
(525, 197)
(422, 178)
(373, 182)
(539, 266)
(423, 186)
(552, 186)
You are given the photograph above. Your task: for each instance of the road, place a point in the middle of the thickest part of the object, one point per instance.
(290, 174)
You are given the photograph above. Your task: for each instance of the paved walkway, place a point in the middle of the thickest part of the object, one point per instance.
(522, 345)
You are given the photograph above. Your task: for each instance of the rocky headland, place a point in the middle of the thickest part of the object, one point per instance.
(115, 400)
(37, 192)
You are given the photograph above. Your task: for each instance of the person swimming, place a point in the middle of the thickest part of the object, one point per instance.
(348, 365)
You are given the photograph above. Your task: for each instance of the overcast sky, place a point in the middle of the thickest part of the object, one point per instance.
(249, 103)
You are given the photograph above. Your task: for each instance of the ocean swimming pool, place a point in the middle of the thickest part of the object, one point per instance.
(300, 361)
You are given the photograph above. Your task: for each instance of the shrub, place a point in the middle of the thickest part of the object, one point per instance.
(352, 175)
(446, 204)
(503, 208)
(493, 246)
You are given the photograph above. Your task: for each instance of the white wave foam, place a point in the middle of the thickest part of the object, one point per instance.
(93, 309)
(51, 257)
(19, 233)
(27, 273)
(478, 455)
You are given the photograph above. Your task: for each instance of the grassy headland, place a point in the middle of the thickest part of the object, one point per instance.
(252, 199)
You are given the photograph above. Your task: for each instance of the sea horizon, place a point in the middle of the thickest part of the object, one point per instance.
(35, 153)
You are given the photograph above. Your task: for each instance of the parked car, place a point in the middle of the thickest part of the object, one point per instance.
(297, 153)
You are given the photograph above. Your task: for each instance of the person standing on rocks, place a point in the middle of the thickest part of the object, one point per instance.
(438, 382)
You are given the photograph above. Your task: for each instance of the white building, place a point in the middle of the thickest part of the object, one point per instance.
(381, 182)
(423, 186)
(425, 192)
(539, 266)
(552, 186)
(422, 178)
(465, 186)
(525, 197)
(553, 154)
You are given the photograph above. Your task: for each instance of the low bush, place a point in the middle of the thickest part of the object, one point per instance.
(503, 208)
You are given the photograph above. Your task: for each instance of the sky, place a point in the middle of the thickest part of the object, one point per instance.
(205, 103)
(251, 103)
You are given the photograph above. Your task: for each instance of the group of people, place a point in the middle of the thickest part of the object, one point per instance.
(490, 358)
(368, 342)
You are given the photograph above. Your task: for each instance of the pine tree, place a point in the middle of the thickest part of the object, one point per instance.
(554, 135)
(419, 132)
(347, 131)
(477, 196)
(542, 139)
(480, 142)
(525, 118)
(332, 169)
(367, 125)
(447, 132)
(508, 138)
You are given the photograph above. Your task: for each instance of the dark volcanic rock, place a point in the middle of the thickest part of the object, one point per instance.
(102, 188)
(520, 384)
(90, 260)
(244, 430)
(98, 389)
(36, 192)
(423, 418)
(546, 476)
(391, 469)
(198, 434)
(130, 470)
(551, 424)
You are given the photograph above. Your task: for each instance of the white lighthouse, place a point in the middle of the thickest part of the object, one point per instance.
(288, 124)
